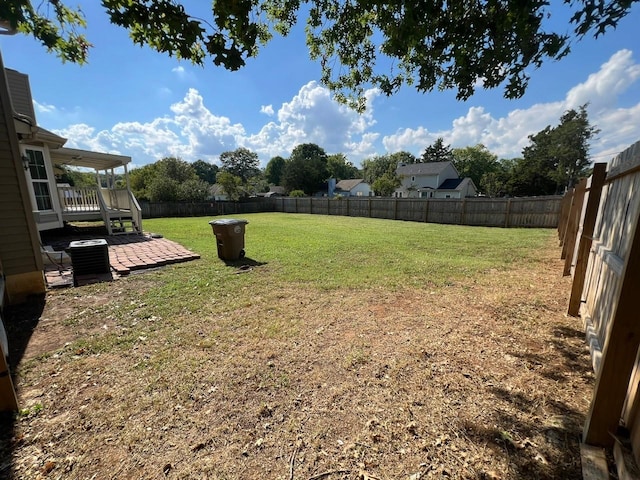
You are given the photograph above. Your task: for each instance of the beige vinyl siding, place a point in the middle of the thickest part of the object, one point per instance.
(18, 246)
(20, 93)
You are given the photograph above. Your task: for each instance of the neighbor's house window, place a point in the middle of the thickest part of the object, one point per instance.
(358, 194)
(413, 179)
(447, 196)
(39, 179)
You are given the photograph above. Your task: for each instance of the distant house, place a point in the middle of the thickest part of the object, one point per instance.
(217, 193)
(275, 191)
(432, 180)
(356, 187)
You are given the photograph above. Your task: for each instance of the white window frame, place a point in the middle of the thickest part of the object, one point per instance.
(43, 181)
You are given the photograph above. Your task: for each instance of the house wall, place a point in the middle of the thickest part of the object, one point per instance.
(444, 193)
(361, 190)
(19, 240)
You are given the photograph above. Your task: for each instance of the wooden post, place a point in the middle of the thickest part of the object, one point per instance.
(507, 213)
(564, 215)
(369, 207)
(8, 400)
(572, 228)
(462, 213)
(618, 355)
(395, 209)
(348, 200)
(584, 246)
(311, 206)
(426, 211)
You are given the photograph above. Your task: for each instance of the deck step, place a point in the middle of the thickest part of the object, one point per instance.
(123, 226)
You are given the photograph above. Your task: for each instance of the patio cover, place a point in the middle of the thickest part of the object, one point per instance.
(85, 158)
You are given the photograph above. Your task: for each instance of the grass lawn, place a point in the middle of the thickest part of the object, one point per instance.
(350, 348)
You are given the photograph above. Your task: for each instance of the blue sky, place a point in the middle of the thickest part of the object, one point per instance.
(133, 101)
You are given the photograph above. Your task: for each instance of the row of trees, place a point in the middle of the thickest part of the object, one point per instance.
(553, 161)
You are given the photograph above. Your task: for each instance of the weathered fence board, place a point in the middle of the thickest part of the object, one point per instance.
(608, 298)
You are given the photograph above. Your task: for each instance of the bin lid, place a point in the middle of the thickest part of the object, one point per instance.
(228, 221)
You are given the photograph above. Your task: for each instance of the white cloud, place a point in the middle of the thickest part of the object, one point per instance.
(313, 116)
(267, 110)
(602, 88)
(43, 107)
(506, 136)
(191, 130)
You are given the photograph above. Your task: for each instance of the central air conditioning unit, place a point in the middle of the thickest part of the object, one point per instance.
(89, 257)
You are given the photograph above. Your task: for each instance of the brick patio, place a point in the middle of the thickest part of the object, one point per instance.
(126, 253)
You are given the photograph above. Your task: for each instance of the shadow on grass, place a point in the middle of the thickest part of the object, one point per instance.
(244, 264)
(20, 323)
(539, 435)
(546, 448)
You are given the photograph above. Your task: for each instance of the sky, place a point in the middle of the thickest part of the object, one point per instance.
(133, 101)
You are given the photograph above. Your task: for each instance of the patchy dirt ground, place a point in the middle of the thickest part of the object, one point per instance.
(485, 379)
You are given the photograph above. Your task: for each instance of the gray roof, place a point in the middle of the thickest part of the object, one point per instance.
(456, 184)
(429, 168)
(450, 184)
(347, 185)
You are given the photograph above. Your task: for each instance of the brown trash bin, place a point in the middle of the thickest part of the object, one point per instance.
(229, 234)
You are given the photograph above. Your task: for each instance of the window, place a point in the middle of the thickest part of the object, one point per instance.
(39, 179)
(413, 179)
(447, 196)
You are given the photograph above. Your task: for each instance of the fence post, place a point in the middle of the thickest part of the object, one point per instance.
(395, 209)
(463, 212)
(507, 213)
(618, 355)
(564, 215)
(426, 211)
(369, 207)
(572, 229)
(584, 246)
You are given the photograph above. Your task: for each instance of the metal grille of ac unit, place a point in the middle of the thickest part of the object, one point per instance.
(89, 257)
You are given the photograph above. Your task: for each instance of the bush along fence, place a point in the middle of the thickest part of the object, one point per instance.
(600, 239)
(542, 212)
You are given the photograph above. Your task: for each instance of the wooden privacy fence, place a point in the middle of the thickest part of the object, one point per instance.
(541, 212)
(179, 209)
(601, 246)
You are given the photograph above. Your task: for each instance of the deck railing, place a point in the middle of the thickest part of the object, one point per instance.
(79, 199)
